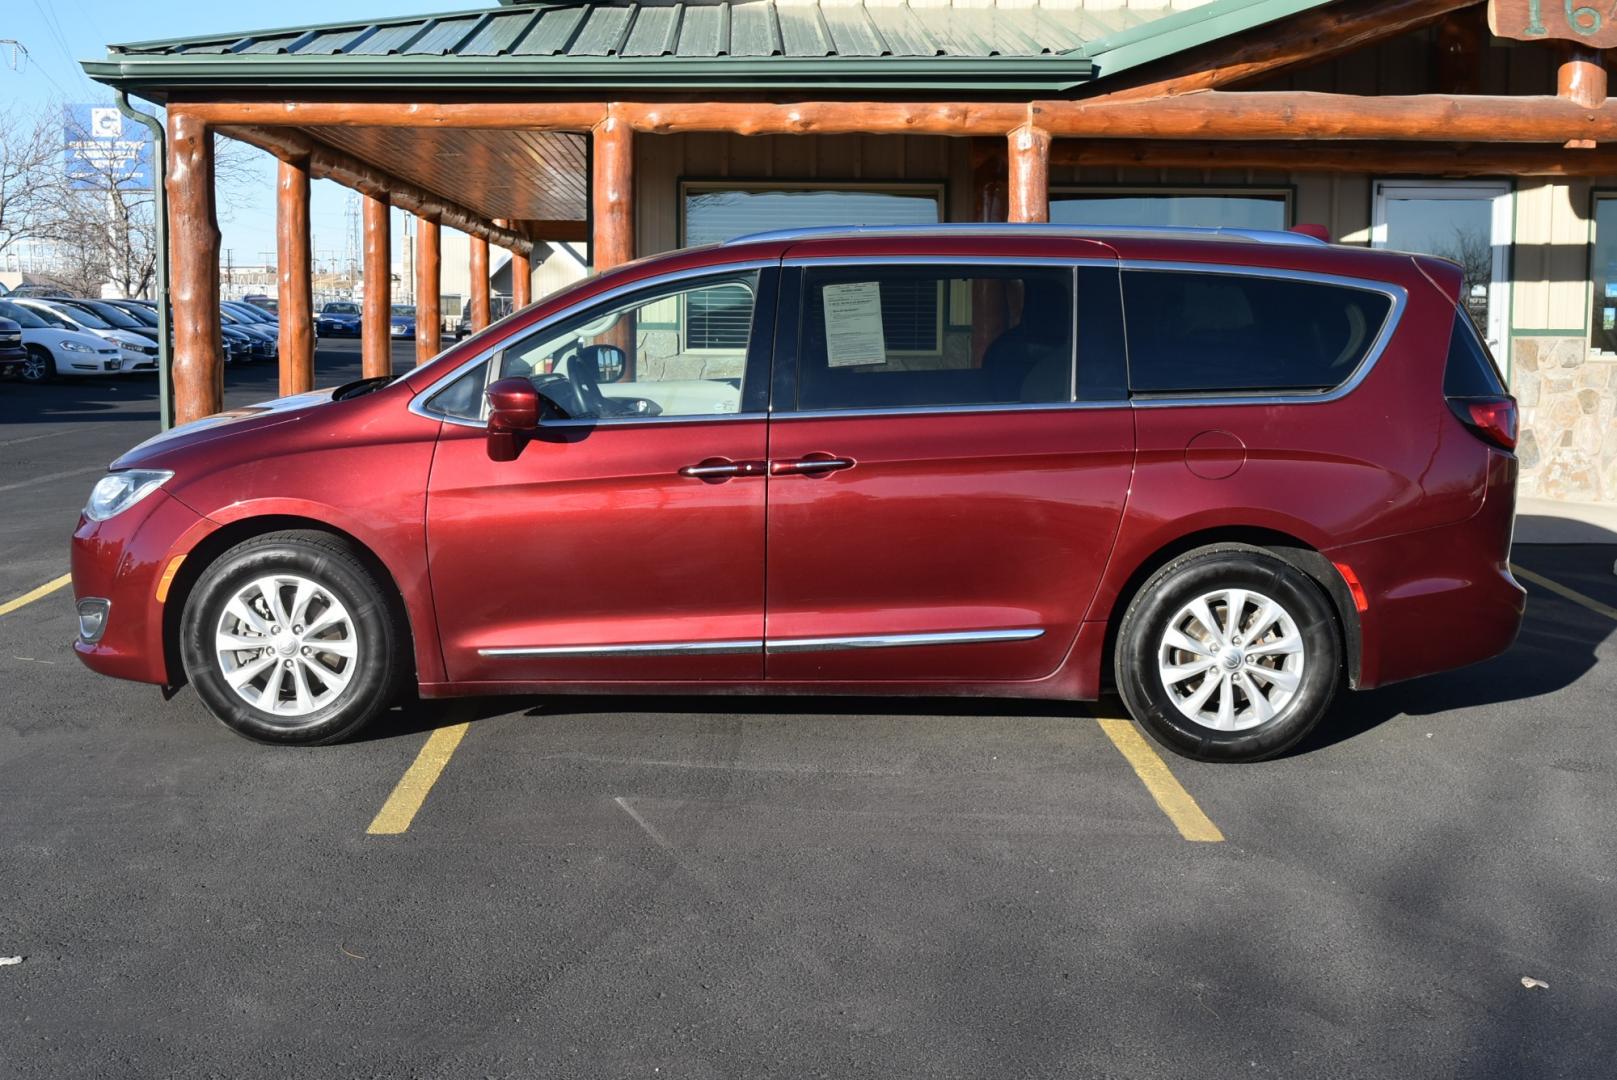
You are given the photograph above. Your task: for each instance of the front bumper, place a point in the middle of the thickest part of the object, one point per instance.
(122, 561)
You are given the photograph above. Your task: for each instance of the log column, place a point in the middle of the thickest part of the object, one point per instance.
(521, 281)
(1029, 187)
(375, 321)
(295, 312)
(1581, 80)
(612, 193)
(198, 363)
(428, 289)
(479, 274)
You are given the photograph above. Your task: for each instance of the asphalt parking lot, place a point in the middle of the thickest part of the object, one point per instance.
(744, 887)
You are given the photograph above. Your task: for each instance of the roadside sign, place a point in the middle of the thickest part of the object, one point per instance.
(103, 148)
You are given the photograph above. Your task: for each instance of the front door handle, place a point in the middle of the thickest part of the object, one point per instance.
(722, 469)
(809, 465)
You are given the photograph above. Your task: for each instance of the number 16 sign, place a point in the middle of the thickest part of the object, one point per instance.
(1591, 23)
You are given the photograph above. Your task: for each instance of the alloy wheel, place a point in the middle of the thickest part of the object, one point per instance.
(1231, 659)
(287, 646)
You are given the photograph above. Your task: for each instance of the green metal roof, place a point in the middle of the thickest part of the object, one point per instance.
(736, 45)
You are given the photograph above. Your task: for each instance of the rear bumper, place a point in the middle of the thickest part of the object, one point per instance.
(1440, 598)
(122, 560)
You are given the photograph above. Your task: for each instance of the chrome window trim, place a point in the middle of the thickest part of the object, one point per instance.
(949, 410)
(897, 641)
(833, 260)
(418, 403)
(780, 645)
(672, 648)
(1396, 293)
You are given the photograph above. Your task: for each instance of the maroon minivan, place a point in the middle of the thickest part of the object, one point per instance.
(1222, 472)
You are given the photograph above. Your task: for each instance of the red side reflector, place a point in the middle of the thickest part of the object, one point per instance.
(1492, 419)
(1360, 601)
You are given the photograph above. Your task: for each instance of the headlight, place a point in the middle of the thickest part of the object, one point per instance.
(73, 346)
(117, 492)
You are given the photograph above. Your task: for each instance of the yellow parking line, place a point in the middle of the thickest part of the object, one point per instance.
(1561, 590)
(29, 597)
(1153, 772)
(411, 791)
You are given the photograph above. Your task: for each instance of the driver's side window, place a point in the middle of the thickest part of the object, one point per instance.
(679, 350)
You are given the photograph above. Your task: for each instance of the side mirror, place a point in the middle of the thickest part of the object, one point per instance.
(513, 413)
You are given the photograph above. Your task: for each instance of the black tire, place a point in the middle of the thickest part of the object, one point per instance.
(40, 366)
(1141, 683)
(379, 664)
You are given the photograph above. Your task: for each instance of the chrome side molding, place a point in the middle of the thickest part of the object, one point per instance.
(779, 645)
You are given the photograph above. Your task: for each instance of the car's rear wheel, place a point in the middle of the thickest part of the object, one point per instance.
(1229, 654)
(290, 638)
(40, 366)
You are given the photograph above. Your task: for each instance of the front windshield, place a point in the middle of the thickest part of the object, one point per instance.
(340, 309)
(22, 317)
(114, 315)
(403, 309)
(87, 318)
(53, 318)
(143, 315)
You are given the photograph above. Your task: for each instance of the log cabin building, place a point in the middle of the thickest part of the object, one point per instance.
(1478, 131)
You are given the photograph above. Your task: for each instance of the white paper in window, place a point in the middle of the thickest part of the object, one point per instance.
(853, 329)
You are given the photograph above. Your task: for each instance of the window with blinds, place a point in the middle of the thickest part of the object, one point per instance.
(718, 318)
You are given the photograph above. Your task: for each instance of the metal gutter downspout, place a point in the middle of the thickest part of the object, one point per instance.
(165, 393)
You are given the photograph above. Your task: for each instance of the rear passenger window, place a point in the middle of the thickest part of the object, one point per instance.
(1201, 332)
(897, 337)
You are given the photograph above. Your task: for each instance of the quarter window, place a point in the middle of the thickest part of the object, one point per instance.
(1204, 332)
(896, 337)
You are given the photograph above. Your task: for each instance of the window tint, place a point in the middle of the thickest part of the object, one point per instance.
(21, 316)
(629, 358)
(894, 337)
(1201, 332)
(1470, 371)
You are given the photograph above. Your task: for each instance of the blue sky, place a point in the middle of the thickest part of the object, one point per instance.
(58, 33)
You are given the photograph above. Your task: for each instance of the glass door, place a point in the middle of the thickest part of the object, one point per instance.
(1466, 221)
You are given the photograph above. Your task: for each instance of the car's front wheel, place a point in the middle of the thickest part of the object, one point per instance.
(1229, 654)
(40, 366)
(290, 638)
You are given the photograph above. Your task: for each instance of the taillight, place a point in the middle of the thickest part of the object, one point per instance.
(1491, 419)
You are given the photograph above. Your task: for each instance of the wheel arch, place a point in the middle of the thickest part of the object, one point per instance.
(1298, 553)
(208, 550)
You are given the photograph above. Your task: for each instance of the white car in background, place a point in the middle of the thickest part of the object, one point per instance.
(53, 350)
(134, 351)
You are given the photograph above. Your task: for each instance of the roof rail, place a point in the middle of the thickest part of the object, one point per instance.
(1075, 231)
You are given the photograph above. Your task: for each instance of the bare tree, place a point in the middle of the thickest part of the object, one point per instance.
(29, 155)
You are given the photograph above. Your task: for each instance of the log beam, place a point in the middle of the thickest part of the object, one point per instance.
(428, 290)
(1029, 186)
(198, 364)
(479, 276)
(295, 281)
(1214, 114)
(612, 192)
(375, 320)
(328, 163)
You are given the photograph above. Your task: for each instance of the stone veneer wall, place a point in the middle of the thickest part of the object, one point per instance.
(1568, 399)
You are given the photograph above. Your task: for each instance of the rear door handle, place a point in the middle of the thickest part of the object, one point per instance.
(809, 466)
(722, 469)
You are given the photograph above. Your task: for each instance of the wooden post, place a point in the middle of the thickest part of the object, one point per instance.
(1029, 187)
(296, 309)
(612, 192)
(198, 370)
(479, 274)
(375, 327)
(1581, 79)
(521, 281)
(428, 290)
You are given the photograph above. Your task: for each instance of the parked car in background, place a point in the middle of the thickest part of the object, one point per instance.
(136, 351)
(51, 349)
(12, 353)
(116, 317)
(268, 304)
(498, 308)
(1226, 472)
(266, 342)
(338, 318)
(401, 323)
